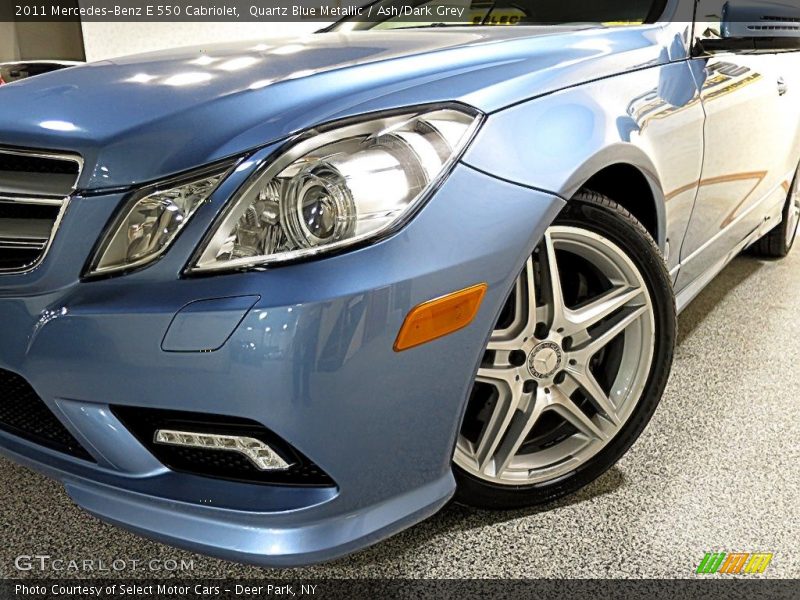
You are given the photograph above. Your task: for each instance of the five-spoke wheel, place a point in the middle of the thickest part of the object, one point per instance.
(572, 354)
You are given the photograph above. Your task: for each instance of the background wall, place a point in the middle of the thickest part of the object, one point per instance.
(63, 41)
(32, 41)
(9, 50)
(107, 40)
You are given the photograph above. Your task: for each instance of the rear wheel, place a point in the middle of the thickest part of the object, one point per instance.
(778, 242)
(576, 365)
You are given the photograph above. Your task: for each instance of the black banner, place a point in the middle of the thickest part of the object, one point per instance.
(546, 589)
(323, 11)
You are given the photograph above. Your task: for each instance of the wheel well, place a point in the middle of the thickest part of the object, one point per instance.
(627, 186)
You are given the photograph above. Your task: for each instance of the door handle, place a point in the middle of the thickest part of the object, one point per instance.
(783, 87)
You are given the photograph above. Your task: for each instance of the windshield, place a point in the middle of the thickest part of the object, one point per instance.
(405, 14)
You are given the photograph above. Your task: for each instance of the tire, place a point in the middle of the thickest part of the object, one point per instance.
(778, 242)
(600, 219)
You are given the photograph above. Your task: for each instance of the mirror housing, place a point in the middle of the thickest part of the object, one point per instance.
(757, 26)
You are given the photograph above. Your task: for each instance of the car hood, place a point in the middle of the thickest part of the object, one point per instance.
(140, 118)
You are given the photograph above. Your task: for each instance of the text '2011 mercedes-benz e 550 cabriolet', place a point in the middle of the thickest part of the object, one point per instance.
(277, 301)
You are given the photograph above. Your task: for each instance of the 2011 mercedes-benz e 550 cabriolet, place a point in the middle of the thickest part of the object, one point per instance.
(277, 301)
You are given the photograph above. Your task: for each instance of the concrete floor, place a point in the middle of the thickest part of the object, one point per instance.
(717, 469)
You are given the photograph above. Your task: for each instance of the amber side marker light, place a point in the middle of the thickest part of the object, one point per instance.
(439, 317)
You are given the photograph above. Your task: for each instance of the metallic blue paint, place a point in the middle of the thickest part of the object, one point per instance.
(650, 119)
(313, 360)
(306, 349)
(205, 325)
(173, 112)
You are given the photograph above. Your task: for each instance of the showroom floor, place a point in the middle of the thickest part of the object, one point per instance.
(717, 469)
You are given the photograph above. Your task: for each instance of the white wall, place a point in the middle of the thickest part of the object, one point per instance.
(107, 40)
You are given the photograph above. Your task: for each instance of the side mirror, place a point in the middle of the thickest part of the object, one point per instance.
(758, 26)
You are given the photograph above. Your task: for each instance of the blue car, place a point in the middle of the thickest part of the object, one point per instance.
(276, 301)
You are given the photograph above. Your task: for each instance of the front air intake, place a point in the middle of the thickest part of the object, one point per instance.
(24, 414)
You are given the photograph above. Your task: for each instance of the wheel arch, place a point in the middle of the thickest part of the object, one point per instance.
(627, 176)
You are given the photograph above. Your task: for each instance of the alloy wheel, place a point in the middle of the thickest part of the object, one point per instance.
(566, 365)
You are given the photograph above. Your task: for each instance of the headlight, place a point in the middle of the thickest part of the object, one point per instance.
(152, 220)
(337, 188)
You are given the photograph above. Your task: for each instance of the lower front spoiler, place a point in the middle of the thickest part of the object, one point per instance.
(285, 539)
(269, 546)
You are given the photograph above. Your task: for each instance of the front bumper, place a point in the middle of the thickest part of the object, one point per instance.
(312, 360)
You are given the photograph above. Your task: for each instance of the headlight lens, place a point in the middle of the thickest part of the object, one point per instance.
(337, 188)
(152, 221)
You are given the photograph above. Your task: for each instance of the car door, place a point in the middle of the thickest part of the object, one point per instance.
(748, 143)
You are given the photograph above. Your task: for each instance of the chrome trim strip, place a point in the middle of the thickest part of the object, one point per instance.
(23, 200)
(15, 244)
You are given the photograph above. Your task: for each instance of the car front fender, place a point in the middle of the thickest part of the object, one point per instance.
(650, 119)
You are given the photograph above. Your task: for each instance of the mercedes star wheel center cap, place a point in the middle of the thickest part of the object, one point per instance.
(544, 360)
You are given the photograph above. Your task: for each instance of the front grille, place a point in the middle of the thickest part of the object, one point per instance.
(26, 228)
(33, 173)
(144, 422)
(24, 414)
(34, 188)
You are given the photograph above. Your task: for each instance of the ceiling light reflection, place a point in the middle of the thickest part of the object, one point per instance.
(141, 78)
(237, 64)
(187, 79)
(288, 49)
(203, 60)
(58, 125)
(299, 74)
(261, 84)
